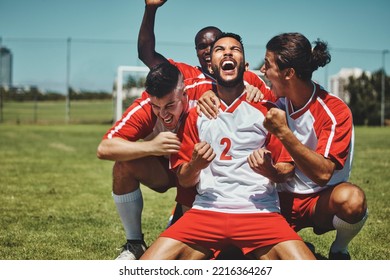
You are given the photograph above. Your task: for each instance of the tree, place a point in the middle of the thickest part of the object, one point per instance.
(133, 81)
(365, 98)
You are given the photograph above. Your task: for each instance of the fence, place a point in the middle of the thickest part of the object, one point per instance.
(56, 65)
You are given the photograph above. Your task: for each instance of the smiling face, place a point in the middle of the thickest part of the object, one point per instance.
(171, 106)
(203, 41)
(228, 62)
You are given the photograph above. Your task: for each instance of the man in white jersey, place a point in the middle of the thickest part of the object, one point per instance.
(125, 188)
(233, 198)
(127, 196)
(154, 118)
(317, 130)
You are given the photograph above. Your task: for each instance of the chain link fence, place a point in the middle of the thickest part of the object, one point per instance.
(49, 67)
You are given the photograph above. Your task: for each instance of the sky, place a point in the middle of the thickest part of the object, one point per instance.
(103, 34)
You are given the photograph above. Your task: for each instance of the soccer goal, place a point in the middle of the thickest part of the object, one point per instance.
(130, 83)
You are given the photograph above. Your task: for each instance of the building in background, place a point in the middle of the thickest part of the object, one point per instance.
(5, 67)
(339, 82)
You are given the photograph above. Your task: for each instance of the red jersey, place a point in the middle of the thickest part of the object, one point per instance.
(139, 121)
(325, 126)
(250, 77)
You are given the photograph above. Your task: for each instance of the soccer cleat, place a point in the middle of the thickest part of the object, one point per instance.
(132, 250)
(339, 256)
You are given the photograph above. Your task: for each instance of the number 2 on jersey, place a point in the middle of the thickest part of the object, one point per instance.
(227, 143)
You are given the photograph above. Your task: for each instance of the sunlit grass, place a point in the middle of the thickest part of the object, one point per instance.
(55, 196)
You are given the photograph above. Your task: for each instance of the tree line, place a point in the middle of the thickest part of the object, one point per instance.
(365, 95)
(19, 94)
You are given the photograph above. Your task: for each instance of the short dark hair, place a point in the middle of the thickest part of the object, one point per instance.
(230, 35)
(293, 50)
(206, 29)
(162, 79)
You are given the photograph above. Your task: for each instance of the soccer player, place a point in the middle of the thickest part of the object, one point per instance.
(127, 199)
(203, 39)
(147, 43)
(317, 130)
(235, 205)
(155, 118)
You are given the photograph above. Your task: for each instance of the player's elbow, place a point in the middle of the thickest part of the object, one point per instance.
(284, 172)
(141, 54)
(326, 173)
(102, 152)
(323, 179)
(323, 173)
(145, 55)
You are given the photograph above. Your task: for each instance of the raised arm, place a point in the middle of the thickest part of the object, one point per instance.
(146, 38)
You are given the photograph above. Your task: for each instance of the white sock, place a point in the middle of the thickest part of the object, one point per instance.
(345, 232)
(130, 207)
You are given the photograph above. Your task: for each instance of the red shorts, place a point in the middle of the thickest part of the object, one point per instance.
(216, 230)
(298, 209)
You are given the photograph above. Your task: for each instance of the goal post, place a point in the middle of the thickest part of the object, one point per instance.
(123, 72)
(121, 93)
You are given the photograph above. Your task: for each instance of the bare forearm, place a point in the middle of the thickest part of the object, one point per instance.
(187, 175)
(121, 150)
(312, 164)
(283, 171)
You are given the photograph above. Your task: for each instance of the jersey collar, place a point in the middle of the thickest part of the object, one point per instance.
(296, 114)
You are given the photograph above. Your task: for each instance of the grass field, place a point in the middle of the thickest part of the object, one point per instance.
(54, 112)
(55, 196)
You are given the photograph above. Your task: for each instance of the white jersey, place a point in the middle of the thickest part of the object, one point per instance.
(324, 125)
(228, 184)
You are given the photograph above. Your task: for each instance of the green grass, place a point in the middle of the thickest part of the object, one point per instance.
(55, 196)
(370, 172)
(54, 112)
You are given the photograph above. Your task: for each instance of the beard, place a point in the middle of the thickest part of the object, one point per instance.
(230, 83)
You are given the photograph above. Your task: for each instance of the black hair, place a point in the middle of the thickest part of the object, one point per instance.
(241, 68)
(230, 35)
(210, 28)
(162, 79)
(293, 50)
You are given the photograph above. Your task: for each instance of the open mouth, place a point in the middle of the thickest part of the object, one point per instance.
(228, 65)
(168, 120)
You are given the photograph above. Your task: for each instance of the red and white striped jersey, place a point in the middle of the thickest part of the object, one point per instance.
(228, 184)
(139, 121)
(190, 72)
(324, 125)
